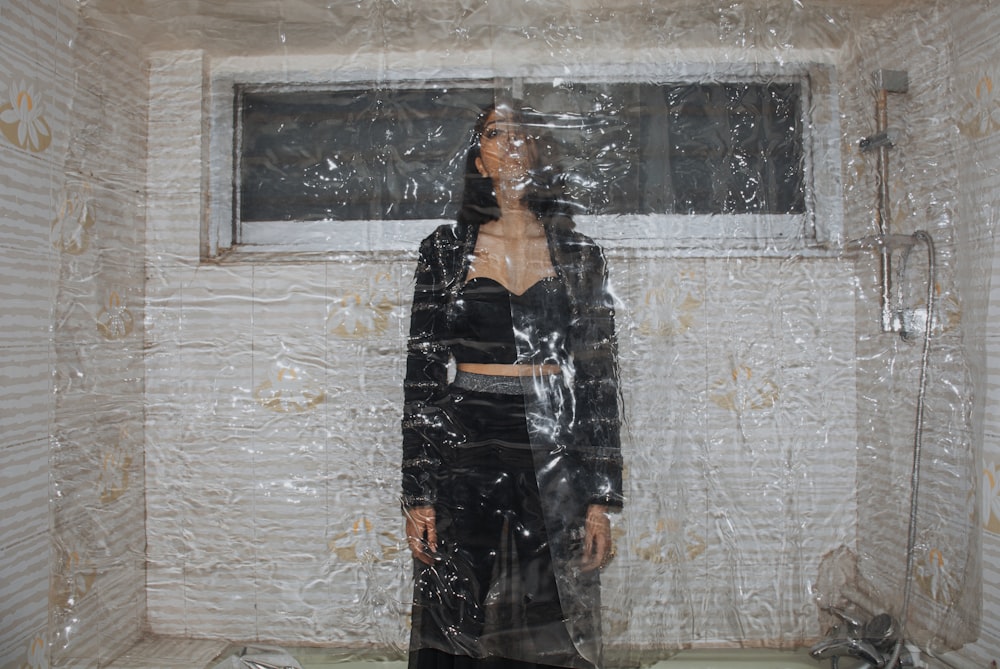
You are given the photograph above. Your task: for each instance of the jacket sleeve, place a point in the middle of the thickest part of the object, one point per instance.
(595, 381)
(425, 380)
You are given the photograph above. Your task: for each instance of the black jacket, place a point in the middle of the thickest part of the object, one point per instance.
(591, 355)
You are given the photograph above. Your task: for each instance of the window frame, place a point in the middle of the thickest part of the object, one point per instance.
(818, 231)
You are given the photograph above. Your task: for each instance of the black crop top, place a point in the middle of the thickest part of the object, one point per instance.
(492, 324)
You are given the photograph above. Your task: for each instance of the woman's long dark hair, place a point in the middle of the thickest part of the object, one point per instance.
(545, 196)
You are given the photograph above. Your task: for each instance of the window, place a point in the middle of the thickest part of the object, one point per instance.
(678, 148)
(694, 164)
(354, 154)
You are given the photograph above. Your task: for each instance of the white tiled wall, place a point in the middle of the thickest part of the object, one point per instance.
(97, 606)
(71, 259)
(31, 64)
(977, 97)
(943, 599)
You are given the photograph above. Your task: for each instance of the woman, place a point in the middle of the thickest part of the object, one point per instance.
(509, 470)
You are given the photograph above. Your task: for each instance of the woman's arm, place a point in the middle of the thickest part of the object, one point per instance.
(595, 352)
(425, 380)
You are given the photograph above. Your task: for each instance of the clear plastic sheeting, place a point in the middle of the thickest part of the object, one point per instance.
(510, 469)
(259, 657)
(714, 443)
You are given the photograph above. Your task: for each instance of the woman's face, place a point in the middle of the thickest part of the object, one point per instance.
(506, 153)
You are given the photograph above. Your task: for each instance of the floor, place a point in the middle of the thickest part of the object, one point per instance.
(173, 653)
(170, 653)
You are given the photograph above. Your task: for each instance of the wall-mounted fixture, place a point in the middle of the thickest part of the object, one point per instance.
(886, 81)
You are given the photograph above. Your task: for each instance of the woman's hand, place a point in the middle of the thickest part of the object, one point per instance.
(598, 548)
(421, 532)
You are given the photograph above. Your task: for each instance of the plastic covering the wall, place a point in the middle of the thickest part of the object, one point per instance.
(225, 447)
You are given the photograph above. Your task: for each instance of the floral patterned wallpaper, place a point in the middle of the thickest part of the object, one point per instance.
(22, 119)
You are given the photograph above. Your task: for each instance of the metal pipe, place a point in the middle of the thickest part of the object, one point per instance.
(886, 81)
(882, 213)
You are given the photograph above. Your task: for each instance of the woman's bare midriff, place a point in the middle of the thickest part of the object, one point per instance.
(508, 370)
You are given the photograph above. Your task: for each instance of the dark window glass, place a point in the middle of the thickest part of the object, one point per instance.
(398, 154)
(678, 148)
(734, 148)
(354, 154)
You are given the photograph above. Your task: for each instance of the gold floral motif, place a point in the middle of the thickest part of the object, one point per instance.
(363, 543)
(21, 120)
(36, 655)
(115, 321)
(651, 547)
(980, 116)
(290, 391)
(115, 468)
(951, 310)
(71, 230)
(362, 313)
(934, 578)
(740, 392)
(669, 309)
(991, 498)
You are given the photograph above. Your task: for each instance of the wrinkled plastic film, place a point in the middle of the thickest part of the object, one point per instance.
(709, 159)
(501, 472)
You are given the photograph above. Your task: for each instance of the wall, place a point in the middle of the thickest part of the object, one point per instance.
(98, 603)
(977, 76)
(735, 376)
(943, 178)
(72, 258)
(35, 67)
(263, 519)
(273, 396)
(943, 608)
